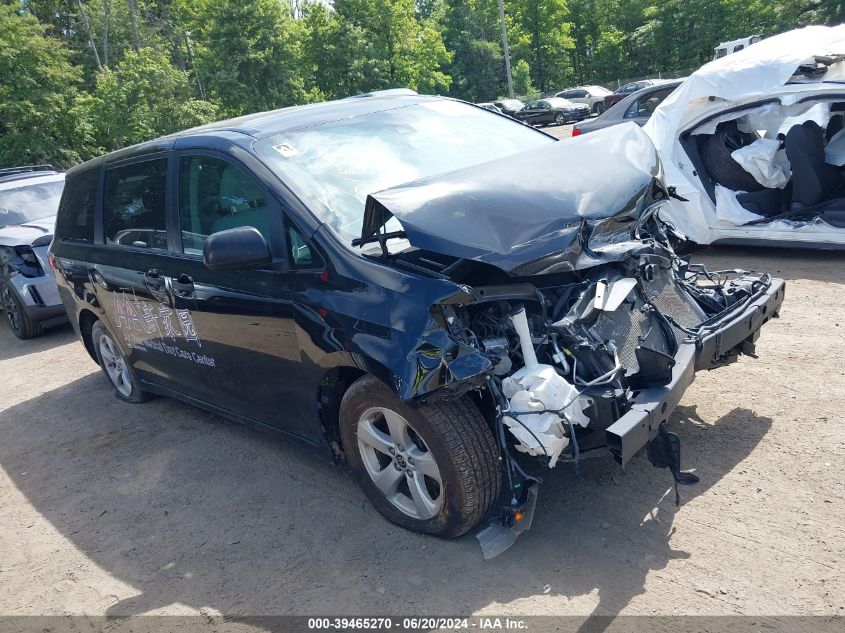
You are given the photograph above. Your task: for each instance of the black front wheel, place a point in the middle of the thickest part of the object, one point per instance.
(16, 316)
(560, 119)
(433, 469)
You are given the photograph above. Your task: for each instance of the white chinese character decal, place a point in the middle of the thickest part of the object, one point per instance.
(187, 325)
(166, 315)
(126, 315)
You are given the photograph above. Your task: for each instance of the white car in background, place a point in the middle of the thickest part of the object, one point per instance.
(592, 96)
(754, 147)
(29, 297)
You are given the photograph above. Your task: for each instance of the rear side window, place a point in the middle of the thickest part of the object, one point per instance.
(215, 195)
(134, 205)
(75, 221)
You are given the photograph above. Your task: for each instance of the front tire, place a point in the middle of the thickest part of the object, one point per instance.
(433, 469)
(16, 316)
(116, 367)
(560, 119)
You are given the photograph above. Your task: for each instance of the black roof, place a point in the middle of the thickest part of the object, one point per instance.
(244, 129)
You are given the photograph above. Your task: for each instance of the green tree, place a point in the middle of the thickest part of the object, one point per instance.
(541, 35)
(521, 73)
(248, 53)
(339, 60)
(471, 31)
(144, 97)
(41, 119)
(408, 48)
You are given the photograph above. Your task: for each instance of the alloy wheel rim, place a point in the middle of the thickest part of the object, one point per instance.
(11, 308)
(115, 366)
(399, 463)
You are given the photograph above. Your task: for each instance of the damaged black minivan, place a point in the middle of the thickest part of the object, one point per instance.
(414, 285)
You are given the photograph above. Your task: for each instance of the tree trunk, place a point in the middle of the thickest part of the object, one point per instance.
(133, 10)
(91, 43)
(505, 48)
(106, 16)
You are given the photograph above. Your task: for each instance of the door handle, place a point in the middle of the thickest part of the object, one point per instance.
(183, 286)
(156, 283)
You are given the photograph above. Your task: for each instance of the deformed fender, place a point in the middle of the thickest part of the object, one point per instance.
(388, 330)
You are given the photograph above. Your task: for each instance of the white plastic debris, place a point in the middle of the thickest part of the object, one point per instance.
(728, 208)
(764, 160)
(538, 392)
(613, 297)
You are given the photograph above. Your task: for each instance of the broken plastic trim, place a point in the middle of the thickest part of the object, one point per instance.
(498, 537)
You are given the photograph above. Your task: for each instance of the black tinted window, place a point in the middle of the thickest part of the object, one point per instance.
(215, 195)
(133, 205)
(75, 221)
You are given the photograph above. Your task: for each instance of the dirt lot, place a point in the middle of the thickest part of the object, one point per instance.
(109, 508)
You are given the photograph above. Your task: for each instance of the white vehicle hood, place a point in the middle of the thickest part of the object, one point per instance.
(756, 71)
(25, 234)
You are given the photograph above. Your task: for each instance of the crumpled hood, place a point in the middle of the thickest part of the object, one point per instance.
(28, 232)
(756, 71)
(566, 206)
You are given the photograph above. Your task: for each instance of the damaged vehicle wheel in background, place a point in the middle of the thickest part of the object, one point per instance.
(411, 285)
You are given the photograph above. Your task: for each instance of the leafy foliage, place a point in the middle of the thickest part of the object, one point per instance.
(79, 77)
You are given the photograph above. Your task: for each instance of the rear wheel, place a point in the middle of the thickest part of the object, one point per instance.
(115, 366)
(432, 469)
(22, 326)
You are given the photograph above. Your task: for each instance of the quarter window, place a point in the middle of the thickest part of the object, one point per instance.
(215, 195)
(75, 221)
(302, 255)
(133, 206)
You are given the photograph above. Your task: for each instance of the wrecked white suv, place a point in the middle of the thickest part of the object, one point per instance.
(753, 144)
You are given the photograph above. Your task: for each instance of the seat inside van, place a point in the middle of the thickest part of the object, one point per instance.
(774, 163)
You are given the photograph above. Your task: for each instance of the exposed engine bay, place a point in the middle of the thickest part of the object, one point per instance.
(568, 358)
(597, 362)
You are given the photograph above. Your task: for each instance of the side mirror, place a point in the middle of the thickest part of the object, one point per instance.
(241, 247)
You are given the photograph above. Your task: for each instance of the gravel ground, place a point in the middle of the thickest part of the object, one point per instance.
(110, 508)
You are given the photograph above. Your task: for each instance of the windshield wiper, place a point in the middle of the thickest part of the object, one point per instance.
(381, 238)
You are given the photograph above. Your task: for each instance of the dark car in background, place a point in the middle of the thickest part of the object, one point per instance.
(623, 91)
(29, 298)
(509, 106)
(553, 111)
(637, 107)
(369, 276)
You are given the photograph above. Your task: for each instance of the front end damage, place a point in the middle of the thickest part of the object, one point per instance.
(596, 363)
(584, 332)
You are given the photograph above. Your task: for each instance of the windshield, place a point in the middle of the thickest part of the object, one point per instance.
(30, 202)
(334, 166)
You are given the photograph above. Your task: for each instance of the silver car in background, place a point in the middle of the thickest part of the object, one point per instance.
(29, 297)
(592, 96)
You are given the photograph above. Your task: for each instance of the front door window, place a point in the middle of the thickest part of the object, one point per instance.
(215, 195)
